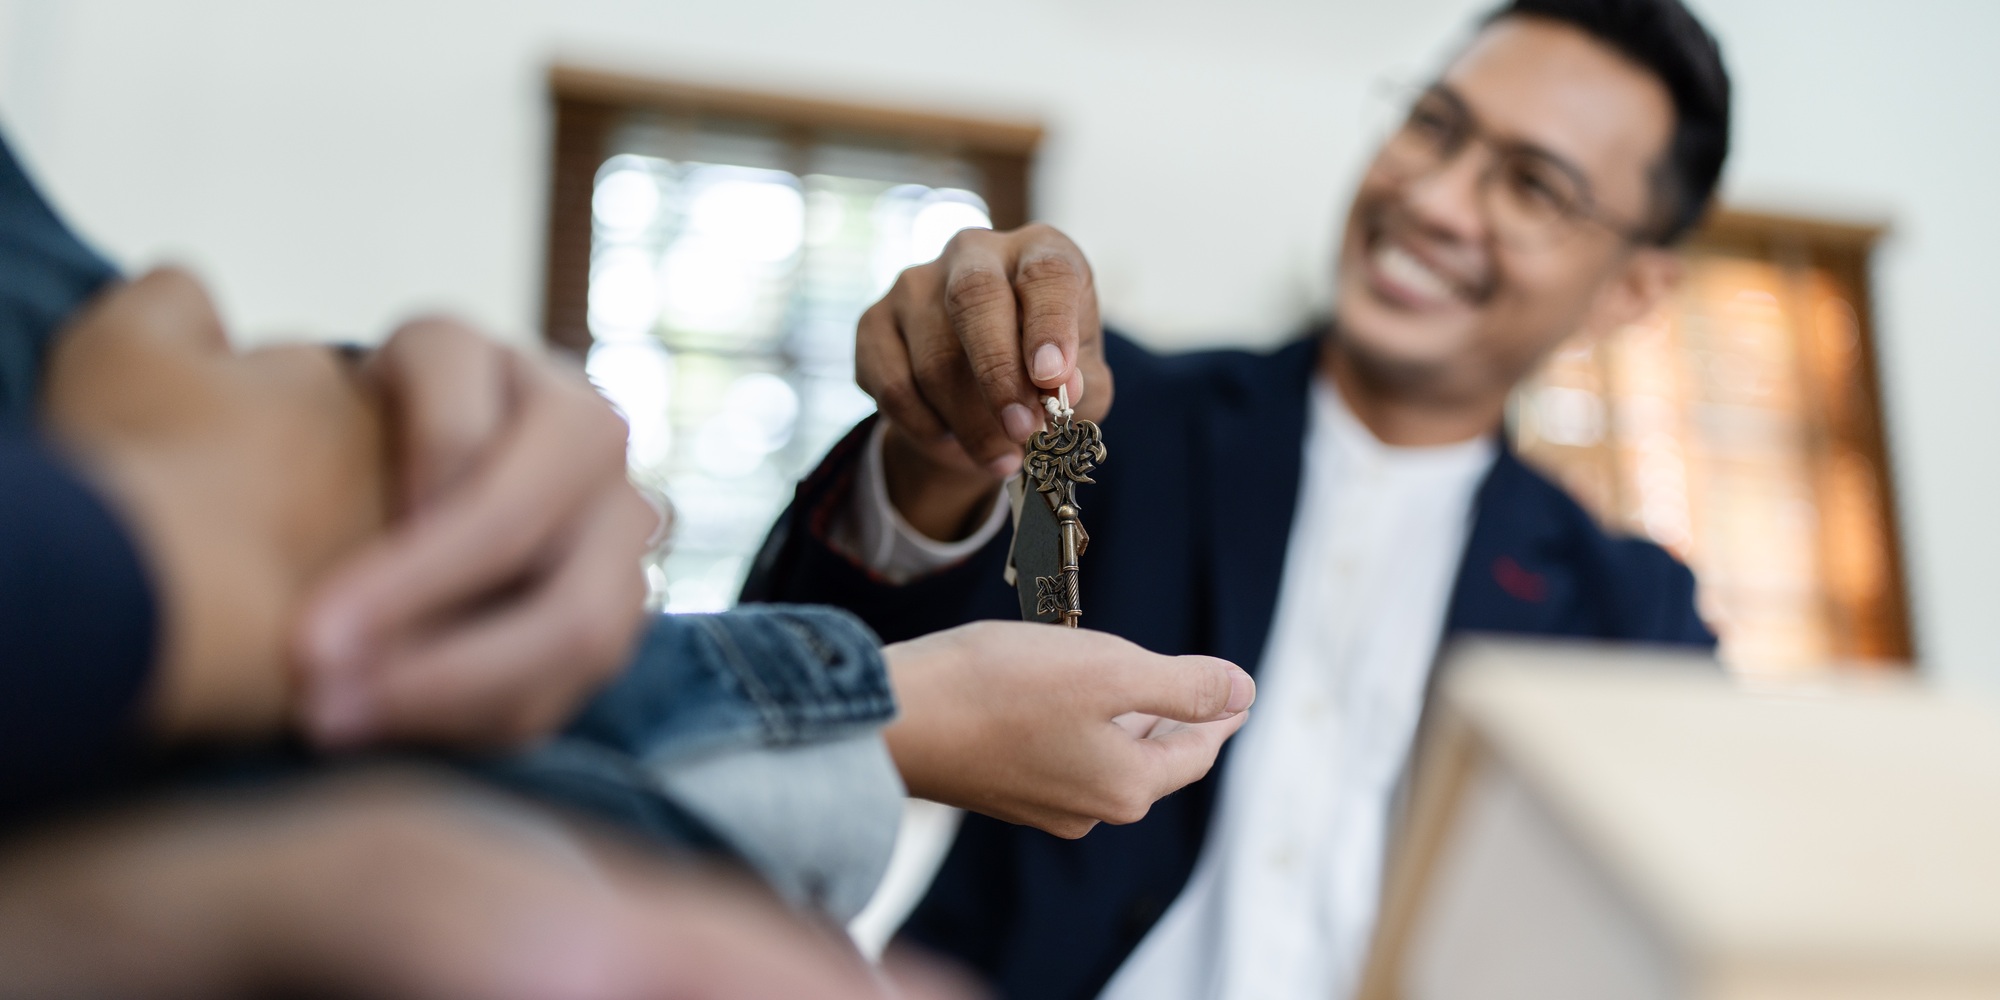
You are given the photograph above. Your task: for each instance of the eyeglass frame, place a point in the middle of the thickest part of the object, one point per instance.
(1471, 131)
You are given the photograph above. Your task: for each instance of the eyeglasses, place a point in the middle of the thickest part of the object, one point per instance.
(1531, 196)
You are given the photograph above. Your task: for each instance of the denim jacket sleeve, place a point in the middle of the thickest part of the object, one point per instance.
(758, 676)
(761, 724)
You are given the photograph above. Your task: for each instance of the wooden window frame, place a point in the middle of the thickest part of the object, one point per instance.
(1844, 252)
(589, 104)
(1840, 254)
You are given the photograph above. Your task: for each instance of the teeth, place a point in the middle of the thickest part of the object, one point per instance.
(1403, 268)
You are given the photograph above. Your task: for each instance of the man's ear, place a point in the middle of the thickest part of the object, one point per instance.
(1648, 275)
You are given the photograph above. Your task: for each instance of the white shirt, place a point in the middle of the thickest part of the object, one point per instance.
(1282, 900)
(872, 530)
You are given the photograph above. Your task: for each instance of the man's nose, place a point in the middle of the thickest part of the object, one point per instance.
(1448, 201)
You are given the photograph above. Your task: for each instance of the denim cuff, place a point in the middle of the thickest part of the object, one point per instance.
(818, 822)
(756, 677)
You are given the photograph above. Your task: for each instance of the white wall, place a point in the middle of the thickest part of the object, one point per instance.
(332, 166)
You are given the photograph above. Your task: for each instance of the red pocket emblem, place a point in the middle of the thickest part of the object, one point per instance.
(1518, 582)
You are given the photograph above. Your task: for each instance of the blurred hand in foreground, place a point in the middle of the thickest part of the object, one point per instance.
(392, 886)
(241, 477)
(509, 587)
(958, 354)
(1056, 728)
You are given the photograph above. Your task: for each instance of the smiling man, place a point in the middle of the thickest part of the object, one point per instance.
(1328, 513)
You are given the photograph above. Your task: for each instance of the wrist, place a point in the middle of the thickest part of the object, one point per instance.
(940, 499)
(910, 737)
(222, 600)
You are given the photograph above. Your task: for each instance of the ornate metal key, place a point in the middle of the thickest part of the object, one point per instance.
(1049, 540)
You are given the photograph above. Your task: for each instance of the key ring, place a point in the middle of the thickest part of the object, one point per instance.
(1058, 405)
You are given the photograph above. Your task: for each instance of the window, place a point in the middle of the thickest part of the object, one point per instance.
(1741, 429)
(711, 252)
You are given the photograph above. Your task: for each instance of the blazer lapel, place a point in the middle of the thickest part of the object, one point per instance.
(1253, 437)
(1508, 581)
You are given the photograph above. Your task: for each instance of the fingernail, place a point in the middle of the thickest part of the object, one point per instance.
(1019, 421)
(1005, 466)
(1048, 363)
(1242, 691)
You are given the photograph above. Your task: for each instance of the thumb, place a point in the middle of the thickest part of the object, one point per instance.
(1186, 689)
(1184, 754)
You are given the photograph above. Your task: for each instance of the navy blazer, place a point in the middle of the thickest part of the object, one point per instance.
(1188, 523)
(78, 620)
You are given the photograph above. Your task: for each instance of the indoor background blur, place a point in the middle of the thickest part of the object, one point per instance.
(711, 192)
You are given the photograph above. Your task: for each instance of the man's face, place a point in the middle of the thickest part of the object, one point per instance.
(1438, 293)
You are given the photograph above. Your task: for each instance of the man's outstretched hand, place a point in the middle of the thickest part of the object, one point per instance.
(958, 355)
(509, 587)
(1056, 728)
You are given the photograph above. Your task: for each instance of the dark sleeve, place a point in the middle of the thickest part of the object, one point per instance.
(798, 566)
(46, 275)
(1659, 603)
(77, 631)
(974, 900)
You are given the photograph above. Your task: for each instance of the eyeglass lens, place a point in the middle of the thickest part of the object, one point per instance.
(1527, 194)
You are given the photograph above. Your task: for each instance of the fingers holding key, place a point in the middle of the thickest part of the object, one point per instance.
(1054, 284)
(984, 331)
(1062, 340)
(951, 360)
(882, 369)
(950, 357)
(1032, 336)
(1001, 317)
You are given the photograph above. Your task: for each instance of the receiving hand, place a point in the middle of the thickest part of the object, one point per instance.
(391, 886)
(958, 354)
(1056, 728)
(510, 587)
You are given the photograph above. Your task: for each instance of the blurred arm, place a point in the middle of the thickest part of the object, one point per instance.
(393, 886)
(242, 479)
(77, 630)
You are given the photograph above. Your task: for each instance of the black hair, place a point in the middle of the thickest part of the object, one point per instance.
(1666, 39)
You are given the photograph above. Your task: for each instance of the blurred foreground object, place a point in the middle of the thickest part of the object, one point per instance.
(396, 883)
(1611, 825)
